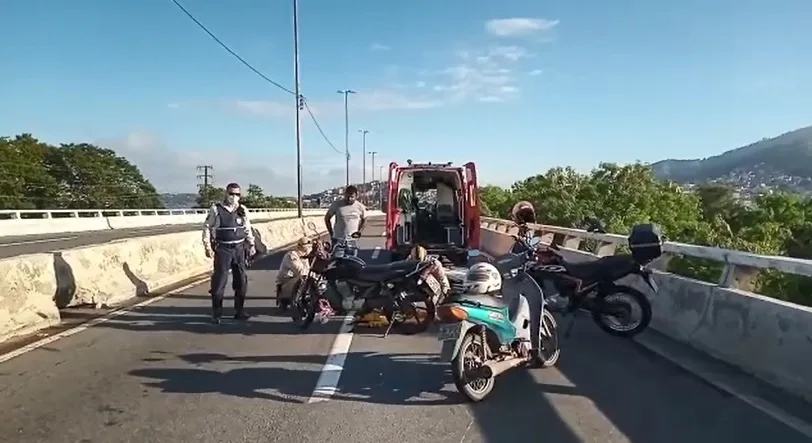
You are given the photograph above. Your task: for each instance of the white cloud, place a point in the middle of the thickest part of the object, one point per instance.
(519, 26)
(379, 47)
(172, 169)
(535, 72)
(173, 105)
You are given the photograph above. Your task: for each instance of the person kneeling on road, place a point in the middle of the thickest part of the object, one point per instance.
(226, 232)
(295, 265)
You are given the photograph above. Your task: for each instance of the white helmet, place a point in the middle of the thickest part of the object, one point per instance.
(482, 278)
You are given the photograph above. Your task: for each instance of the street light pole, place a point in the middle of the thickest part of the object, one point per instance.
(372, 168)
(380, 188)
(364, 133)
(299, 105)
(346, 93)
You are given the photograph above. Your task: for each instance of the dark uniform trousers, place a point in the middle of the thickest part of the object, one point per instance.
(230, 254)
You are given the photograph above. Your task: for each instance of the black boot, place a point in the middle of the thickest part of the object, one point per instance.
(216, 311)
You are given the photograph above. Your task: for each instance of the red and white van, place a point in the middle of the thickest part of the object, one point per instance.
(435, 206)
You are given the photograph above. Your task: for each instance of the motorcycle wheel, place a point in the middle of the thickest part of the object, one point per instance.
(304, 305)
(550, 349)
(470, 350)
(627, 299)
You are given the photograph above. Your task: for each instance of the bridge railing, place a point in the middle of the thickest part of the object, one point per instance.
(764, 336)
(20, 214)
(15, 223)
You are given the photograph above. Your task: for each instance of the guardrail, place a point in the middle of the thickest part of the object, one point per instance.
(16, 223)
(21, 214)
(766, 337)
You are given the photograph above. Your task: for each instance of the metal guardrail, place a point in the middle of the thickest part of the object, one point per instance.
(740, 270)
(18, 214)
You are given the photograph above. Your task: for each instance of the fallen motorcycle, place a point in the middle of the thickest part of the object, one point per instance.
(397, 288)
(484, 335)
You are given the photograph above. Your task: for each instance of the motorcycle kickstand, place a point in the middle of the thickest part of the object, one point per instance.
(389, 328)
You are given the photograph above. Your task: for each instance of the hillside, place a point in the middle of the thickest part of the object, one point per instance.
(783, 162)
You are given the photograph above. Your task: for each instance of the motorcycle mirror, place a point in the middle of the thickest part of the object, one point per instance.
(533, 241)
(311, 226)
(474, 253)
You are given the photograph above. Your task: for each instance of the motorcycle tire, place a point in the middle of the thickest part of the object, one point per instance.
(550, 349)
(303, 305)
(602, 319)
(471, 340)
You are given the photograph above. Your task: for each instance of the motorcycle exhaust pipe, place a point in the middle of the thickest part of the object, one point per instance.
(493, 368)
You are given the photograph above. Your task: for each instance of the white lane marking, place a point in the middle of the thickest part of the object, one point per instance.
(327, 384)
(376, 252)
(30, 242)
(96, 321)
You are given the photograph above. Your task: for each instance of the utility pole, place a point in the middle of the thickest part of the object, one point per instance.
(364, 133)
(380, 188)
(207, 176)
(372, 170)
(346, 93)
(299, 106)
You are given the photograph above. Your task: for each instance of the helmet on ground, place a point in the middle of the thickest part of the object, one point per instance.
(523, 212)
(482, 278)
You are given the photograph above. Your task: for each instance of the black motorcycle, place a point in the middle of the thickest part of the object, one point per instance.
(396, 288)
(591, 285)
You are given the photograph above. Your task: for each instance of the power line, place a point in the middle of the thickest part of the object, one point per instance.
(224, 46)
(207, 176)
(318, 126)
(255, 70)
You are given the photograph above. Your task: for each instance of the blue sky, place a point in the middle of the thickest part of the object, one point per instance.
(516, 86)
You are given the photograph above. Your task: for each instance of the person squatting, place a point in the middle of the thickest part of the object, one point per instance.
(227, 236)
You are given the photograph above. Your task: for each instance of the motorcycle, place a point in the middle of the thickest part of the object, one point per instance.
(483, 336)
(396, 288)
(592, 286)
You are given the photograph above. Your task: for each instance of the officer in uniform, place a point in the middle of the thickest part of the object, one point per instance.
(227, 236)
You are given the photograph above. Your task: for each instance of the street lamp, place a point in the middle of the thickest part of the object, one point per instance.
(299, 106)
(364, 133)
(372, 171)
(346, 93)
(380, 188)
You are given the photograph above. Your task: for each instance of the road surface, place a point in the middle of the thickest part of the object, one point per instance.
(162, 373)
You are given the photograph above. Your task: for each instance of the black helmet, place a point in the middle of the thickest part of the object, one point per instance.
(523, 213)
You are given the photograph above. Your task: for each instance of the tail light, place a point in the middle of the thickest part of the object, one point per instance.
(451, 314)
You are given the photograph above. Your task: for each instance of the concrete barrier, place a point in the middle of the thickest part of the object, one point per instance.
(768, 338)
(42, 222)
(34, 287)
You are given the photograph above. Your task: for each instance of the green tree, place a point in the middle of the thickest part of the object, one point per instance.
(254, 197)
(209, 195)
(25, 174)
(716, 200)
(34, 174)
(495, 201)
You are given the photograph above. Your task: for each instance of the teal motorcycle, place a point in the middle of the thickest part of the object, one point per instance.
(485, 335)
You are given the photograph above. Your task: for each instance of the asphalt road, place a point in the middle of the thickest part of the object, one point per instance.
(162, 373)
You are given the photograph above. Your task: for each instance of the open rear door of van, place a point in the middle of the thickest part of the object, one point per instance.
(392, 206)
(472, 221)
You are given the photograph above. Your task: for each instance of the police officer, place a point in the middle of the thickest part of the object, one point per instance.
(227, 236)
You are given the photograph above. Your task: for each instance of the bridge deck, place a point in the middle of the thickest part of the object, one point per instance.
(161, 373)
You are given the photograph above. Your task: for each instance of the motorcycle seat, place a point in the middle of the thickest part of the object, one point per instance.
(387, 271)
(481, 299)
(602, 268)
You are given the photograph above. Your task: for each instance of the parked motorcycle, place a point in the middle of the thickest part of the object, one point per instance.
(483, 335)
(396, 288)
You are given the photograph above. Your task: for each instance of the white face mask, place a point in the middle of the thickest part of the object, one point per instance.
(232, 199)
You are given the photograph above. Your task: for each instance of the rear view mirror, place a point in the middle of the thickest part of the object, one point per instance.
(311, 226)
(474, 253)
(533, 241)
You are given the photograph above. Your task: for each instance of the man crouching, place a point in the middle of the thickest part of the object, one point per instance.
(295, 265)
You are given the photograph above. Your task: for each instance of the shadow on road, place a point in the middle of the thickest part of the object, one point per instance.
(517, 405)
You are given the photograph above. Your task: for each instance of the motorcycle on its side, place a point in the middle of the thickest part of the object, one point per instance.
(485, 335)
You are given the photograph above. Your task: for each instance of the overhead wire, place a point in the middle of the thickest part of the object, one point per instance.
(256, 71)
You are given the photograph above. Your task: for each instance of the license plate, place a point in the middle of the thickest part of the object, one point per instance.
(449, 332)
(433, 284)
